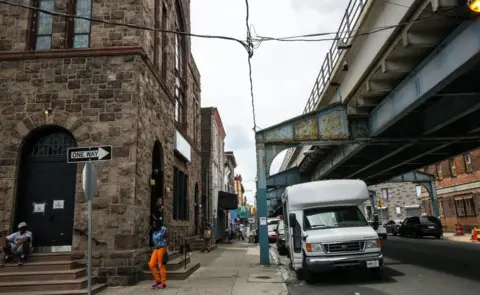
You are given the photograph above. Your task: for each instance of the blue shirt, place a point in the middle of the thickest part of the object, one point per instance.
(158, 238)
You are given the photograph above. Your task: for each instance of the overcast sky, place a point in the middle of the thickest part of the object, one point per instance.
(283, 73)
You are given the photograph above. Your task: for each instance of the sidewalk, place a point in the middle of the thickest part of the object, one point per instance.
(231, 269)
(453, 237)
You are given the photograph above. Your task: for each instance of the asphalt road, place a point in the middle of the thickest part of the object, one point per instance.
(412, 267)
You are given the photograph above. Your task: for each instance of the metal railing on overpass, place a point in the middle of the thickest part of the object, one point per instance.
(342, 38)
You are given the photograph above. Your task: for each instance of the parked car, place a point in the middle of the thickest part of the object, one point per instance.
(421, 226)
(393, 226)
(281, 246)
(381, 231)
(272, 234)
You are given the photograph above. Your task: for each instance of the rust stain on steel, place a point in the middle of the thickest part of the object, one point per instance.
(305, 130)
(332, 126)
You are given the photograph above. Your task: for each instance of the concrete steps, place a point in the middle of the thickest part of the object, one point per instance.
(46, 274)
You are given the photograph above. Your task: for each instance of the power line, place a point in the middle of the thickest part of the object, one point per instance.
(368, 31)
(66, 15)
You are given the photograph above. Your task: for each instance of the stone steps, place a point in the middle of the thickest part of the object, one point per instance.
(44, 274)
(178, 274)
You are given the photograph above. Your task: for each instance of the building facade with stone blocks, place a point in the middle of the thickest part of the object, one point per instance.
(458, 191)
(67, 83)
(213, 144)
(399, 201)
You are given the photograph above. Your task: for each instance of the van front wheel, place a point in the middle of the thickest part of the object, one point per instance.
(307, 274)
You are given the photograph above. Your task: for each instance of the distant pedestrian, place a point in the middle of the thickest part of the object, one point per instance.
(207, 236)
(242, 232)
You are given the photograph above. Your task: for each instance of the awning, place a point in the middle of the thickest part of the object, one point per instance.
(227, 201)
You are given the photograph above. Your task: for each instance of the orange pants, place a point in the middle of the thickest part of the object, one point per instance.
(157, 259)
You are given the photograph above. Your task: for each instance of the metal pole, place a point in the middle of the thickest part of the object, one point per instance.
(262, 205)
(89, 246)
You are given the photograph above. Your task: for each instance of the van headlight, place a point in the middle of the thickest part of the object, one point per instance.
(372, 244)
(314, 247)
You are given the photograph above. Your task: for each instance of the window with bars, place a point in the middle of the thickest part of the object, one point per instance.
(453, 168)
(180, 195)
(468, 163)
(465, 207)
(55, 144)
(439, 172)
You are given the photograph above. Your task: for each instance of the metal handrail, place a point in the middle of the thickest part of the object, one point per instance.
(343, 35)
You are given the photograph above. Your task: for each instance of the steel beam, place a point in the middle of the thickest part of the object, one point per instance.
(453, 57)
(328, 124)
(445, 112)
(456, 55)
(286, 178)
(275, 193)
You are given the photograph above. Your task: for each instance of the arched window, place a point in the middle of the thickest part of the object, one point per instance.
(179, 67)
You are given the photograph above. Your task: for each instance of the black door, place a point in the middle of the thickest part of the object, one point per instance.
(46, 195)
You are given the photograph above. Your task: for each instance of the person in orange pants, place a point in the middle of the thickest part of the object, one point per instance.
(158, 258)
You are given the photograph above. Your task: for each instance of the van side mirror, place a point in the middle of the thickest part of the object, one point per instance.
(292, 220)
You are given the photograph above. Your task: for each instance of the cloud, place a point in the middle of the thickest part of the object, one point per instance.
(237, 138)
(283, 72)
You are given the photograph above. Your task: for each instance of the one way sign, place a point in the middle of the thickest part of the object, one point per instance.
(86, 154)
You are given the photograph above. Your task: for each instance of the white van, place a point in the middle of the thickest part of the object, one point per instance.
(326, 230)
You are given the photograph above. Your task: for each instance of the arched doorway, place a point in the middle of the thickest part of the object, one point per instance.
(157, 185)
(46, 178)
(197, 210)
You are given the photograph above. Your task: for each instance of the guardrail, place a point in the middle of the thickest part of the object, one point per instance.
(342, 38)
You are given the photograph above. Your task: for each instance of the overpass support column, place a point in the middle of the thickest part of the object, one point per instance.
(262, 205)
(432, 191)
(424, 179)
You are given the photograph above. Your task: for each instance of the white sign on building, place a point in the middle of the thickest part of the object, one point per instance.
(182, 146)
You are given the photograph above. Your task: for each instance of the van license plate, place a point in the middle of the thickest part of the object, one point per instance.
(372, 264)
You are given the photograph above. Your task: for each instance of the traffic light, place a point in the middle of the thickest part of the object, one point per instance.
(379, 203)
(474, 5)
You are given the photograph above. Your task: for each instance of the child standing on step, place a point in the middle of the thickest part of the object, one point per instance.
(159, 256)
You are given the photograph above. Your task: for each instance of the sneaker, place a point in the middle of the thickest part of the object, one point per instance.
(155, 285)
(161, 287)
(22, 261)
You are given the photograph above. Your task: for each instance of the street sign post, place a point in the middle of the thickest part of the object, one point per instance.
(89, 183)
(87, 154)
(89, 180)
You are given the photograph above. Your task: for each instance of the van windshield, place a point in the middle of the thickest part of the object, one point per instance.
(332, 217)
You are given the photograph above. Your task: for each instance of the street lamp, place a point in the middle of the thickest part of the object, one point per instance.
(474, 5)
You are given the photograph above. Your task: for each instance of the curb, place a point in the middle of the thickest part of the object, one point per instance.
(284, 269)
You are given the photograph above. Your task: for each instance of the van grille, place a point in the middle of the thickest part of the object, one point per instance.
(356, 246)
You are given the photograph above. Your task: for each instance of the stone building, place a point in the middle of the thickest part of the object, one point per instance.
(213, 166)
(67, 83)
(458, 191)
(400, 200)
